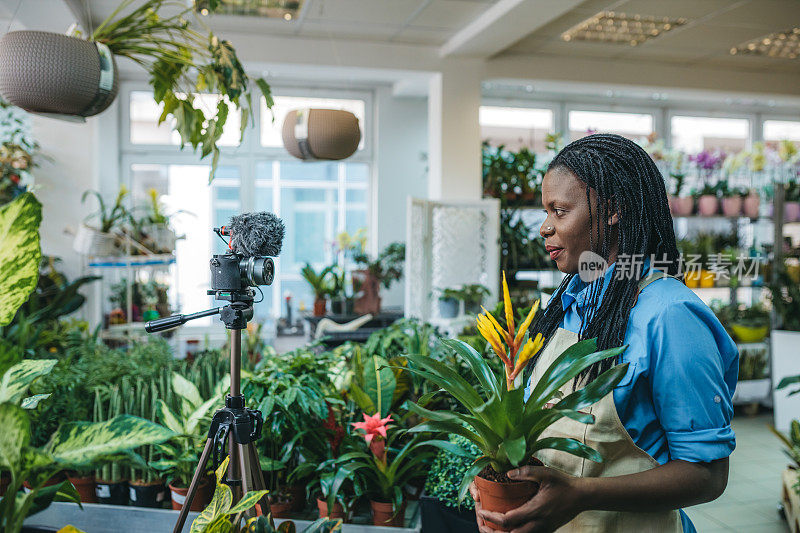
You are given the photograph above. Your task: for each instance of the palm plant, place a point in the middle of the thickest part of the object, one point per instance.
(319, 281)
(494, 415)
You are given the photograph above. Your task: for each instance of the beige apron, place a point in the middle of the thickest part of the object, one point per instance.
(608, 436)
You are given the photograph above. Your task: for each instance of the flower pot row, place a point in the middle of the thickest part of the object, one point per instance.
(383, 513)
(709, 205)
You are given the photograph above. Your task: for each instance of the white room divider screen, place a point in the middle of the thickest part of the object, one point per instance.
(449, 244)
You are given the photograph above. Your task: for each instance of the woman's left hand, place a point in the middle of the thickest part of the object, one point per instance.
(557, 501)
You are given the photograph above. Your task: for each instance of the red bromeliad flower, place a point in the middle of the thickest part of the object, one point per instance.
(375, 426)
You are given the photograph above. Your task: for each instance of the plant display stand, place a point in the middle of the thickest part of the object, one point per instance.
(449, 244)
(100, 518)
(790, 500)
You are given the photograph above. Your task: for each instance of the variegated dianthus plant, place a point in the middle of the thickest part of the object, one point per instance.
(494, 415)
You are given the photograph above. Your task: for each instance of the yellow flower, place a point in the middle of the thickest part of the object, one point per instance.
(528, 319)
(530, 349)
(507, 302)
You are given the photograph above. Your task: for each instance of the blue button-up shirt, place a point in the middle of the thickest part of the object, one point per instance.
(676, 399)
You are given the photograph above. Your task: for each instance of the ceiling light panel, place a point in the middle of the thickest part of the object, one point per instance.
(784, 44)
(619, 28)
(279, 9)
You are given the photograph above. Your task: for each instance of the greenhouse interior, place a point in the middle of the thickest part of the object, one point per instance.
(417, 266)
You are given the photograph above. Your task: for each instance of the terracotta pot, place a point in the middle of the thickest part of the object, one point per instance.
(86, 487)
(502, 497)
(281, 509)
(707, 205)
(682, 206)
(732, 206)
(320, 305)
(338, 510)
(750, 205)
(298, 494)
(143, 494)
(201, 498)
(383, 514)
(112, 492)
(791, 212)
(370, 300)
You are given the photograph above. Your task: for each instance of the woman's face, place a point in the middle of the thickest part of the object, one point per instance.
(566, 228)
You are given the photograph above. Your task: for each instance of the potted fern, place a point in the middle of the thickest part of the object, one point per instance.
(495, 416)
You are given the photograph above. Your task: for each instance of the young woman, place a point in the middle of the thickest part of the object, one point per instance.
(665, 431)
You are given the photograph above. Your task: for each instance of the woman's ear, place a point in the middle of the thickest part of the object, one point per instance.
(613, 220)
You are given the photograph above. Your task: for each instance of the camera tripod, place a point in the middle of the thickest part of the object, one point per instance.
(234, 426)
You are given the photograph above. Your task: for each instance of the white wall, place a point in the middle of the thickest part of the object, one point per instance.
(401, 170)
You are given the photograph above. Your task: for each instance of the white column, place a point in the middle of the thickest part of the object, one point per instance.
(453, 131)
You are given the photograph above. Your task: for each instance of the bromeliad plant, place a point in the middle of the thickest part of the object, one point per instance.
(494, 415)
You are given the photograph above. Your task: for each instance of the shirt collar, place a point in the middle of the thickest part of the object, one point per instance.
(579, 291)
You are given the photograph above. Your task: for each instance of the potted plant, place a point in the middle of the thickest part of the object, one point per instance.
(99, 240)
(384, 270)
(153, 229)
(440, 508)
(110, 484)
(448, 302)
(751, 204)
(751, 324)
(341, 302)
(791, 204)
(180, 60)
(732, 199)
(387, 466)
(495, 416)
(707, 201)
(179, 457)
(321, 284)
(681, 206)
(473, 295)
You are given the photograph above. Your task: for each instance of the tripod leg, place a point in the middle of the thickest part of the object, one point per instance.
(198, 473)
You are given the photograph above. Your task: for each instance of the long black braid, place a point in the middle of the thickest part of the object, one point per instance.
(626, 181)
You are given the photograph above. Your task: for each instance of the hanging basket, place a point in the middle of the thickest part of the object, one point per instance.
(321, 134)
(89, 241)
(49, 73)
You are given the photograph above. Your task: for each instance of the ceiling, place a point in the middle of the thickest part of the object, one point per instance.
(714, 27)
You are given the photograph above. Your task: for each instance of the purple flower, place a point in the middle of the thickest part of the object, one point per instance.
(708, 160)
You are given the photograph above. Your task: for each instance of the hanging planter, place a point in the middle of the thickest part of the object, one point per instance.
(43, 72)
(90, 241)
(321, 134)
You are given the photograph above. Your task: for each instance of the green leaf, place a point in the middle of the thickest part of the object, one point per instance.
(19, 377)
(476, 363)
(61, 492)
(168, 418)
(379, 384)
(471, 472)
(80, 443)
(186, 389)
(219, 506)
(594, 391)
(32, 402)
(248, 501)
(447, 379)
(570, 446)
(361, 398)
(515, 449)
(14, 436)
(20, 254)
(566, 366)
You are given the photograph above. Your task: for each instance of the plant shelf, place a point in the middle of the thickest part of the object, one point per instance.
(131, 261)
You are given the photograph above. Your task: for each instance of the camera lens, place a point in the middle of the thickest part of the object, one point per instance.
(257, 270)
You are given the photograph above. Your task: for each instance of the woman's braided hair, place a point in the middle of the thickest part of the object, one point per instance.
(626, 180)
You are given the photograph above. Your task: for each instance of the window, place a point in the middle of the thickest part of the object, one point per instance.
(315, 200)
(516, 127)
(781, 130)
(145, 129)
(634, 126)
(695, 134)
(272, 122)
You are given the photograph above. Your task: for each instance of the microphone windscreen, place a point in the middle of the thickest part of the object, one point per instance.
(257, 234)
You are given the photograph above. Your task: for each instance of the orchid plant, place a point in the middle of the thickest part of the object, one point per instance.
(494, 415)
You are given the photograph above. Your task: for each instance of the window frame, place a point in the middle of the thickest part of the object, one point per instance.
(613, 108)
(249, 154)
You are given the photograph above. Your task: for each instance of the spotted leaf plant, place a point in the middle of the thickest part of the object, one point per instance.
(494, 415)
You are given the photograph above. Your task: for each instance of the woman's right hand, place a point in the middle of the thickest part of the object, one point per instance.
(482, 527)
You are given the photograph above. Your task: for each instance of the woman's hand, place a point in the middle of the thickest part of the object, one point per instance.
(557, 501)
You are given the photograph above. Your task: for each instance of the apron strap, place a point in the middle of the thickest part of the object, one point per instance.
(650, 278)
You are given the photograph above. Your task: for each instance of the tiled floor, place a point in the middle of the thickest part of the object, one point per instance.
(749, 504)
